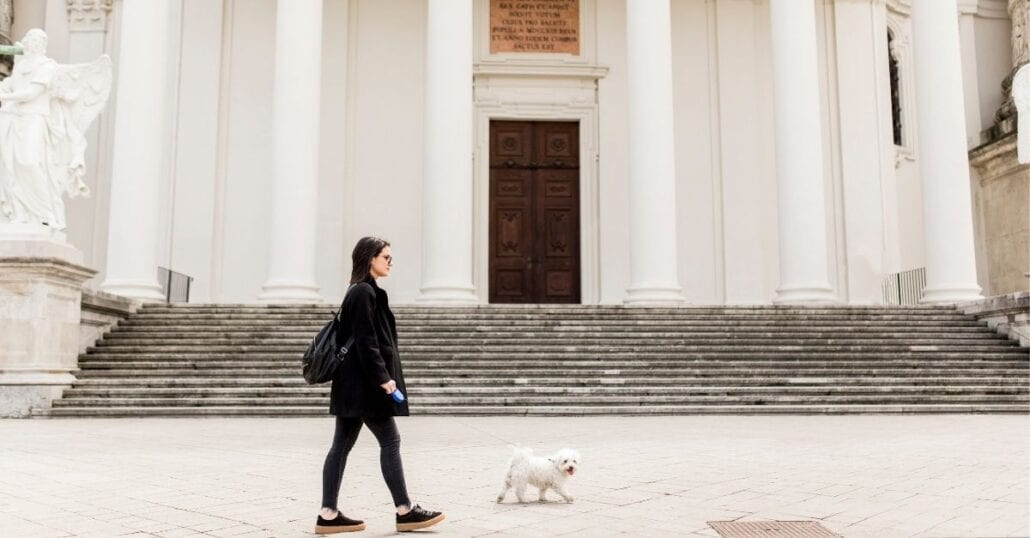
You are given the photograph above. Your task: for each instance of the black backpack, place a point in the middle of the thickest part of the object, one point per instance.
(323, 355)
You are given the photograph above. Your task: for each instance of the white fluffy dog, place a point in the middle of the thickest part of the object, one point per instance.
(543, 473)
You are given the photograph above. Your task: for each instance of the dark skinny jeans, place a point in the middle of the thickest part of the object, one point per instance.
(347, 430)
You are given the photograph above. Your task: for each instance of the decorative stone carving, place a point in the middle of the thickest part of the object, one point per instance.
(46, 110)
(6, 17)
(1020, 96)
(88, 15)
(1005, 118)
(1019, 14)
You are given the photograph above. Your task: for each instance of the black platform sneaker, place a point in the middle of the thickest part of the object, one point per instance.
(418, 518)
(340, 523)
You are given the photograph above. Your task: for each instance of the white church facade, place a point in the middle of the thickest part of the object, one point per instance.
(539, 151)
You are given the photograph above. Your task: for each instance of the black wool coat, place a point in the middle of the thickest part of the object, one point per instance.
(372, 359)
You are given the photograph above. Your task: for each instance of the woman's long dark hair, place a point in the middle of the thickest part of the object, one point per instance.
(366, 249)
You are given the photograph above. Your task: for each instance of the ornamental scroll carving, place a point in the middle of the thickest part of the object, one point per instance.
(88, 15)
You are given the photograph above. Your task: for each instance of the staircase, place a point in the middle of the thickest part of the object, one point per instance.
(566, 360)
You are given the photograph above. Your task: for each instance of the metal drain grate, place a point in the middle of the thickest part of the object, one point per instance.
(771, 529)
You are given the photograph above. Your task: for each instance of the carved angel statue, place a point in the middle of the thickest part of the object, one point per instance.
(45, 109)
(1021, 97)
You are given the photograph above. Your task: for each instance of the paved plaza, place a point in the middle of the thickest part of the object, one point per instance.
(882, 476)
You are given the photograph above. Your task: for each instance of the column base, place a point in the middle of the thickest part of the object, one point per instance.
(283, 291)
(817, 293)
(143, 290)
(23, 391)
(656, 295)
(448, 294)
(956, 293)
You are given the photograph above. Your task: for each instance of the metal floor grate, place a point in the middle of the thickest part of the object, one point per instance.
(771, 529)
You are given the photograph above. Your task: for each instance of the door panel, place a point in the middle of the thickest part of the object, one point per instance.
(534, 212)
(511, 225)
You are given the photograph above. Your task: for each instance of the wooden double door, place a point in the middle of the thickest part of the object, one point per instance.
(534, 212)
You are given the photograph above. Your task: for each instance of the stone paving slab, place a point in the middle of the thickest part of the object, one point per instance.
(858, 476)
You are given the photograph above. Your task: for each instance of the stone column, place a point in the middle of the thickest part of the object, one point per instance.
(140, 138)
(296, 109)
(447, 176)
(654, 277)
(943, 161)
(799, 155)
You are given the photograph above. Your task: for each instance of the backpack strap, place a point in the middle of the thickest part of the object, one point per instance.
(350, 341)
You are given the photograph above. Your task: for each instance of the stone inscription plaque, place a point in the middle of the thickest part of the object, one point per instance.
(534, 26)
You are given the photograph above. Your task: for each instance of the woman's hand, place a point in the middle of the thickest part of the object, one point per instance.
(389, 386)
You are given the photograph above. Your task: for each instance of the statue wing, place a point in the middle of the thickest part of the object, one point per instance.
(84, 88)
(79, 92)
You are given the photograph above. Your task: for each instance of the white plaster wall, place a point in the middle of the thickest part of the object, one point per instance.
(986, 60)
(829, 112)
(332, 268)
(971, 84)
(993, 42)
(745, 151)
(28, 14)
(383, 191)
(87, 216)
(860, 140)
(613, 167)
(193, 196)
(903, 213)
(246, 204)
(694, 95)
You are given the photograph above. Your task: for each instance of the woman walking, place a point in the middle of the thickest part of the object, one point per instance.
(361, 393)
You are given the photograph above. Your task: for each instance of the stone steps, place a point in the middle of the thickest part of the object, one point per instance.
(277, 344)
(462, 389)
(296, 337)
(552, 410)
(465, 323)
(598, 357)
(524, 360)
(580, 400)
(743, 381)
(828, 372)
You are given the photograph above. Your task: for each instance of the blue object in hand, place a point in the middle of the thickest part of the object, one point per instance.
(397, 396)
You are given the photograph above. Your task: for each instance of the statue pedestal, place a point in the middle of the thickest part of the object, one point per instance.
(41, 280)
(1001, 218)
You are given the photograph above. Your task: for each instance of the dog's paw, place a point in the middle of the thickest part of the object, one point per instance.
(500, 499)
